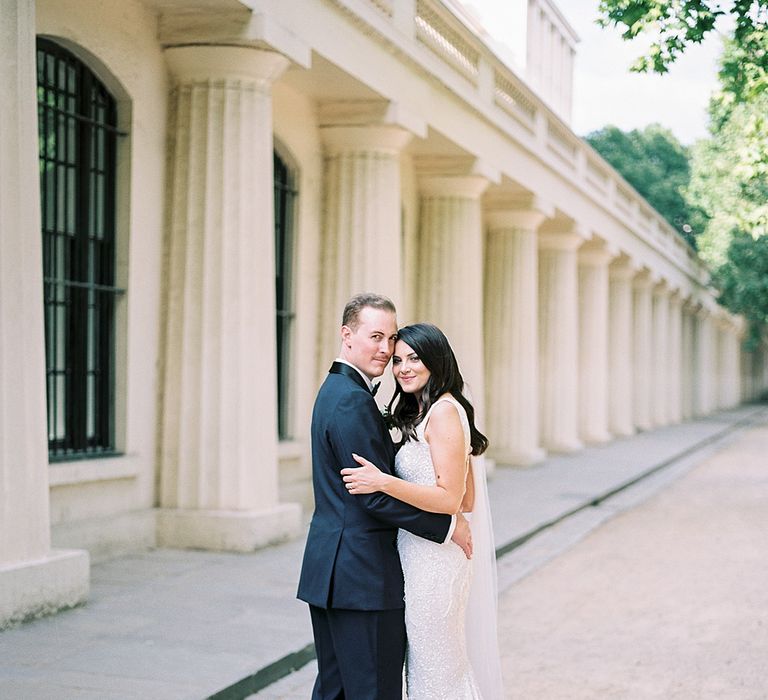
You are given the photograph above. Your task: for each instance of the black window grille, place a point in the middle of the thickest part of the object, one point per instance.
(285, 196)
(77, 119)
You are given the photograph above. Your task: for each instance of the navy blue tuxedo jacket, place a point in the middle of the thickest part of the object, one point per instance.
(351, 560)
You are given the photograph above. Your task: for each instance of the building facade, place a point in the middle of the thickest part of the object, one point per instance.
(189, 192)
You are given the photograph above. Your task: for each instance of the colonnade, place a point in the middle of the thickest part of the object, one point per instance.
(562, 338)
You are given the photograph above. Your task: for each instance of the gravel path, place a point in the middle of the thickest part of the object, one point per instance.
(667, 600)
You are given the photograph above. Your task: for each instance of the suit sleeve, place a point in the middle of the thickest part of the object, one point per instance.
(356, 427)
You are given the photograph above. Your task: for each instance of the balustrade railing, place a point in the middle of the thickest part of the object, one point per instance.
(441, 28)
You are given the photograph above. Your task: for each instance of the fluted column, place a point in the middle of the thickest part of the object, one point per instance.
(362, 237)
(688, 355)
(451, 265)
(219, 438)
(733, 352)
(660, 356)
(721, 363)
(620, 350)
(593, 344)
(559, 341)
(642, 335)
(511, 334)
(674, 373)
(704, 383)
(34, 579)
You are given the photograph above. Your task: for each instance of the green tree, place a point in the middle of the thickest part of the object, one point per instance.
(674, 24)
(729, 182)
(657, 165)
(729, 178)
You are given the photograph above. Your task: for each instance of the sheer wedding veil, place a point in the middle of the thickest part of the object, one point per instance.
(481, 628)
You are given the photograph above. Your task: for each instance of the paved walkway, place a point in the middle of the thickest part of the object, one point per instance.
(666, 601)
(170, 625)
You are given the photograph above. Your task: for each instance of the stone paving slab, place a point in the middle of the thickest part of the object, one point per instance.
(184, 625)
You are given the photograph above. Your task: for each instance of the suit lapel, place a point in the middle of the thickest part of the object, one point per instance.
(351, 372)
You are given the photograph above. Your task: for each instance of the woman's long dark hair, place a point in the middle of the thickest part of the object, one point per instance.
(435, 352)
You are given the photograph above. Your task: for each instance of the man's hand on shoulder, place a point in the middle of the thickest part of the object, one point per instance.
(462, 535)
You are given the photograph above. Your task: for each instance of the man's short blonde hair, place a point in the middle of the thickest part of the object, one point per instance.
(357, 303)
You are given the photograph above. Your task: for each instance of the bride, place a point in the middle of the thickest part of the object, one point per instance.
(450, 601)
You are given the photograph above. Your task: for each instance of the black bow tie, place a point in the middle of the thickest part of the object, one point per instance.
(375, 388)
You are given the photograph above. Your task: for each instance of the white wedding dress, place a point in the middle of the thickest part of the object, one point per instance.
(437, 586)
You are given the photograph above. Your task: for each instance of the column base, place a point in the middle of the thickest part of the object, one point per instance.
(522, 457)
(228, 530)
(623, 430)
(597, 438)
(31, 589)
(563, 446)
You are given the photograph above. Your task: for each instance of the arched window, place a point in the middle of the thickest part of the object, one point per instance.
(285, 195)
(77, 120)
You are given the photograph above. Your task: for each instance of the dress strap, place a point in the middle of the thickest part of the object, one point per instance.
(462, 417)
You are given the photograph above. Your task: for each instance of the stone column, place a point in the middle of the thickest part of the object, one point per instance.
(362, 231)
(674, 375)
(660, 356)
(593, 343)
(642, 358)
(219, 487)
(704, 386)
(721, 362)
(559, 341)
(688, 359)
(620, 349)
(450, 293)
(733, 395)
(34, 580)
(511, 334)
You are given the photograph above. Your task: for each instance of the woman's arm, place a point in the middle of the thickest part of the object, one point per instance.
(445, 436)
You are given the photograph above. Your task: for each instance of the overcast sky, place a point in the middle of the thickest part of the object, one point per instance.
(605, 92)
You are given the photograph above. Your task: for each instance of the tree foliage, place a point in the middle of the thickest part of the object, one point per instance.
(729, 182)
(657, 165)
(674, 24)
(729, 171)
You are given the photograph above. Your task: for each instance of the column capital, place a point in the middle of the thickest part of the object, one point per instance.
(200, 64)
(643, 280)
(661, 289)
(369, 113)
(622, 269)
(596, 254)
(428, 166)
(374, 139)
(567, 241)
(462, 186)
(515, 219)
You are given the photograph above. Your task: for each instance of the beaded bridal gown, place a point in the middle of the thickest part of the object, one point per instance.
(437, 584)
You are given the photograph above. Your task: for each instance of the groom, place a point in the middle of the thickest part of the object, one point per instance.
(351, 575)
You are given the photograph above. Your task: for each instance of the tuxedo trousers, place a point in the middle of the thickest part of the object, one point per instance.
(360, 654)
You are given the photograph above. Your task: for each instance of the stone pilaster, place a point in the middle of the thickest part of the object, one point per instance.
(362, 237)
(511, 301)
(450, 291)
(559, 341)
(674, 374)
(660, 354)
(34, 580)
(593, 343)
(219, 486)
(620, 349)
(642, 335)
